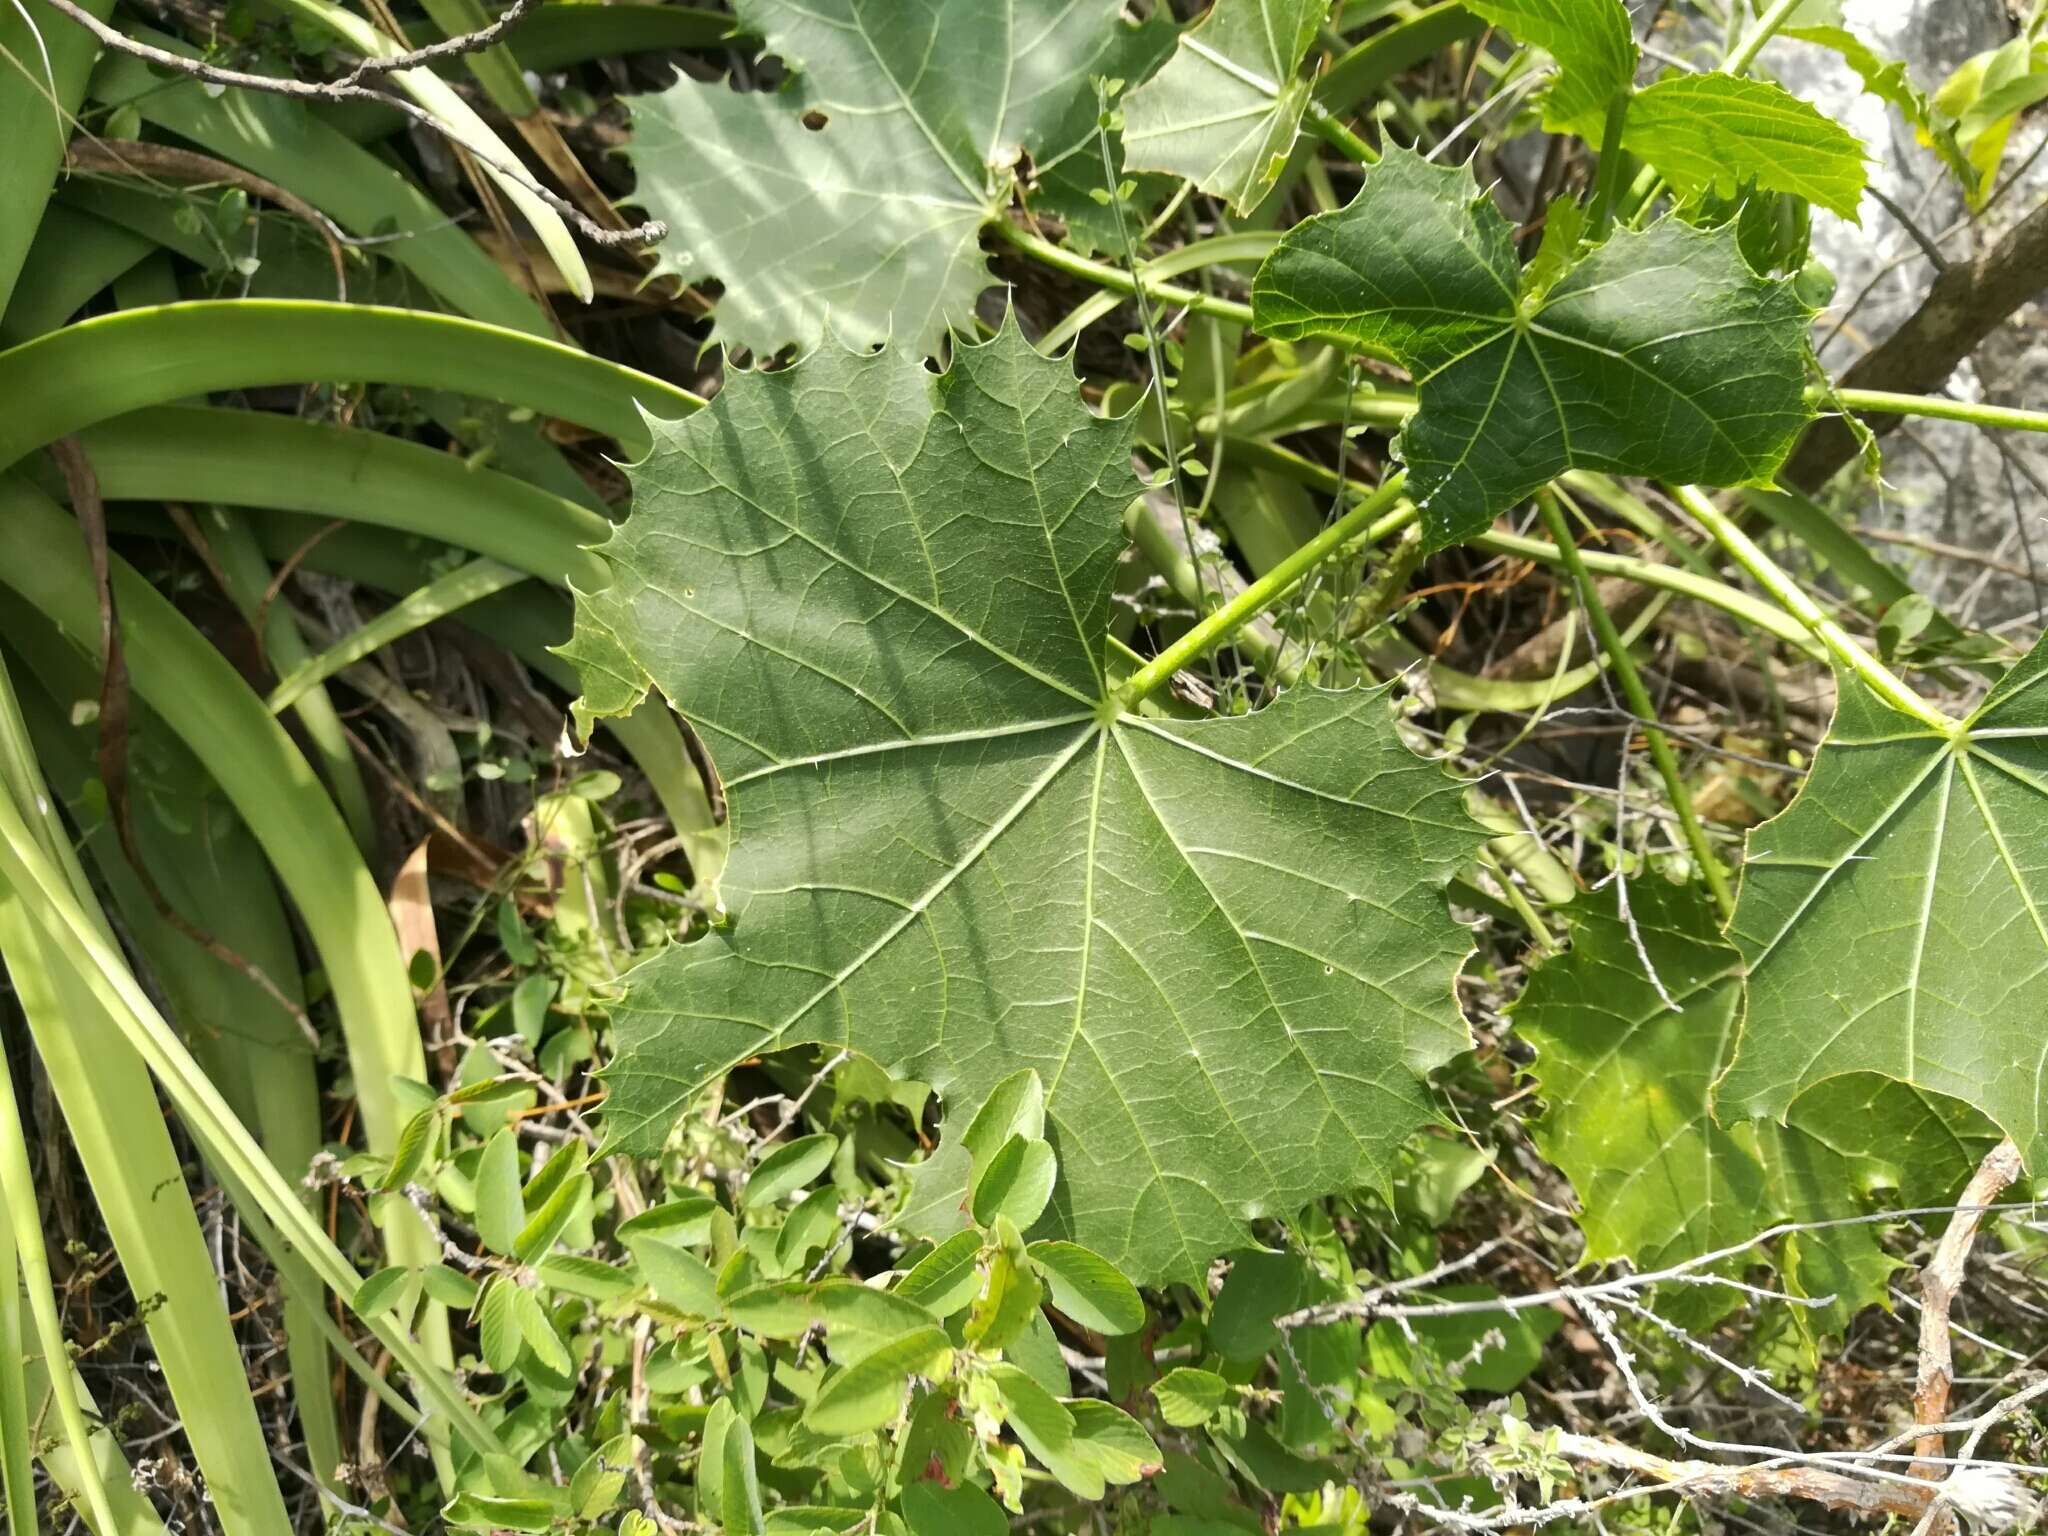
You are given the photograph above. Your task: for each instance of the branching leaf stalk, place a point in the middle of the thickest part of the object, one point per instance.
(1259, 596)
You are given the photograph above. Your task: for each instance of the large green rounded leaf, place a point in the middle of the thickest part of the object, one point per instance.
(855, 196)
(1895, 918)
(1631, 1027)
(1225, 110)
(883, 596)
(1660, 353)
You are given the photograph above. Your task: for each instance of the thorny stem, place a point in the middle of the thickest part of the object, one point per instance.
(1639, 702)
(1258, 597)
(1746, 553)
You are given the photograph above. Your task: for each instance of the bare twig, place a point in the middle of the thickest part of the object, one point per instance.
(343, 90)
(450, 48)
(135, 157)
(1939, 1282)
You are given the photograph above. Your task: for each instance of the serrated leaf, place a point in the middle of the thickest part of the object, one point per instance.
(857, 193)
(1088, 1288)
(882, 597)
(1224, 110)
(1888, 81)
(1660, 353)
(1717, 132)
(1626, 1082)
(1894, 919)
(1594, 46)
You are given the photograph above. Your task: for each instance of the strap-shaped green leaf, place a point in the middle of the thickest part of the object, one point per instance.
(1659, 353)
(883, 595)
(1895, 918)
(857, 193)
(1224, 110)
(1626, 1079)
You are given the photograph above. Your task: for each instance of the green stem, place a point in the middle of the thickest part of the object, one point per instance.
(1883, 402)
(1338, 137)
(1840, 644)
(1765, 29)
(1639, 702)
(1539, 931)
(1242, 248)
(1104, 276)
(1732, 601)
(1259, 596)
(1608, 177)
(467, 583)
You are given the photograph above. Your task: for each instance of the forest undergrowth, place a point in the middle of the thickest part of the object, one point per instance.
(922, 768)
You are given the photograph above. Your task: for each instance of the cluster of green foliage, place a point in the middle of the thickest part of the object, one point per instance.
(1038, 1059)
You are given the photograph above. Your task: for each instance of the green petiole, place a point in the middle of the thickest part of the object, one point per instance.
(1354, 525)
(1748, 554)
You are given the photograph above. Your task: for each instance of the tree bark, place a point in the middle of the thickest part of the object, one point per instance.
(1967, 303)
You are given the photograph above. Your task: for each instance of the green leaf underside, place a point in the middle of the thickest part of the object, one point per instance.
(1627, 1083)
(1660, 353)
(1224, 110)
(1717, 133)
(882, 597)
(1894, 918)
(869, 222)
(1593, 44)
